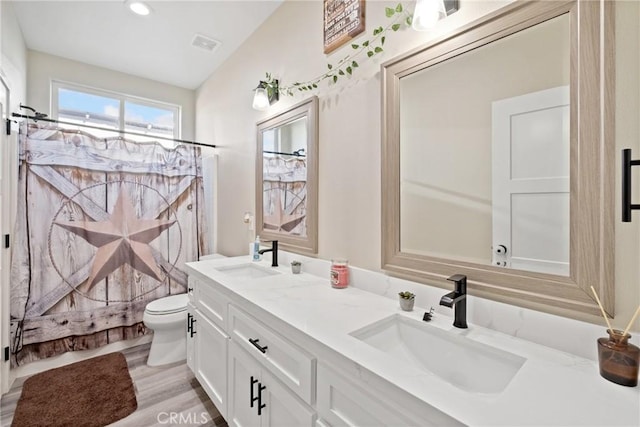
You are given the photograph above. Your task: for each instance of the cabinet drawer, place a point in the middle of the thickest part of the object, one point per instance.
(212, 304)
(291, 365)
(342, 403)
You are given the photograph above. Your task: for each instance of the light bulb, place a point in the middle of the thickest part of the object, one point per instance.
(427, 14)
(139, 8)
(261, 99)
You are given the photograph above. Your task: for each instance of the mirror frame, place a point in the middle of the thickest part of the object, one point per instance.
(592, 165)
(309, 244)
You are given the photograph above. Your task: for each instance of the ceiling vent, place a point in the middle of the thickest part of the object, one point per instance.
(204, 42)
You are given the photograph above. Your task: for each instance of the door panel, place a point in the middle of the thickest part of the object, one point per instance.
(530, 181)
(211, 356)
(241, 369)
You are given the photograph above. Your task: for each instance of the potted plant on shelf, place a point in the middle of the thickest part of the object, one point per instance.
(406, 299)
(296, 266)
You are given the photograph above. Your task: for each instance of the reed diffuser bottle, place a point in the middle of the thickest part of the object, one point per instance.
(618, 358)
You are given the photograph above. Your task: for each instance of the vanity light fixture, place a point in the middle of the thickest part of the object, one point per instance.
(139, 8)
(265, 95)
(428, 12)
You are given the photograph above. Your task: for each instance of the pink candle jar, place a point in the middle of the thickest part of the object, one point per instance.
(339, 273)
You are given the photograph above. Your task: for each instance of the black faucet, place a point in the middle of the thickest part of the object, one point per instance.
(274, 253)
(458, 300)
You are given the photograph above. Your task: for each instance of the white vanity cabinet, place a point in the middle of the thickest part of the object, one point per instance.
(257, 398)
(211, 361)
(207, 341)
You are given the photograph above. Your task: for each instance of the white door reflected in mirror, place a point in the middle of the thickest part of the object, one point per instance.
(530, 190)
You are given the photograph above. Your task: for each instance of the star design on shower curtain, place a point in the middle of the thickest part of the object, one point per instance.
(122, 239)
(280, 220)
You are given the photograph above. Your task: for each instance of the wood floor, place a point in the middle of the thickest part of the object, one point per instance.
(167, 396)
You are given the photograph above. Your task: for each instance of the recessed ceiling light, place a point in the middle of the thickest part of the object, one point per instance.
(139, 8)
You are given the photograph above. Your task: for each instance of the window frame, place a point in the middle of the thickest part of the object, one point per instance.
(56, 85)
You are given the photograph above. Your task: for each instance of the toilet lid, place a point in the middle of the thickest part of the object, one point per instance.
(168, 305)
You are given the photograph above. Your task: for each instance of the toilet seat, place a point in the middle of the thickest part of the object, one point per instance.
(168, 305)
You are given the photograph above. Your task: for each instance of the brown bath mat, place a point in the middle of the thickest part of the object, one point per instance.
(94, 392)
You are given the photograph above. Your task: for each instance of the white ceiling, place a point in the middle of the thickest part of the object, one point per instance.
(157, 46)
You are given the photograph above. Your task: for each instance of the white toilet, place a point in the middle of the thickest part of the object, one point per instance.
(167, 317)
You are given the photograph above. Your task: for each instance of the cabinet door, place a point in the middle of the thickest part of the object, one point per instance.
(191, 337)
(244, 376)
(211, 361)
(283, 407)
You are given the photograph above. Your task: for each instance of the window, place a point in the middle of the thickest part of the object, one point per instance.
(111, 110)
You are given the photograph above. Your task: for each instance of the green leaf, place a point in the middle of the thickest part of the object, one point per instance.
(296, 84)
(300, 89)
(375, 31)
(378, 49)
(409, 20)
(335, 79)
(314, 85)
(395, 27)
(349, 70)
(382, 40)
(310, 87)
(354, 64)
(380, 30)
(370, 54)
(341, 72)
(365, 44)
(389, 12)
(355, 46)
(330, 66)
(399, 8)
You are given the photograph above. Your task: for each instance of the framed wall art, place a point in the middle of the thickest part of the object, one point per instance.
(343, 20)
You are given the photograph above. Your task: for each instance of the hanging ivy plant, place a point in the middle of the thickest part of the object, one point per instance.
(346, 66)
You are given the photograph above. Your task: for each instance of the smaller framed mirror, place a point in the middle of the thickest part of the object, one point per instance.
(287, 178)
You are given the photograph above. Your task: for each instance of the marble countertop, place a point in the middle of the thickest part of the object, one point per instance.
(551, 387)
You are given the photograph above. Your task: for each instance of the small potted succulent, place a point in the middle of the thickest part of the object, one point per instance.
(296, 266)
(406, 299)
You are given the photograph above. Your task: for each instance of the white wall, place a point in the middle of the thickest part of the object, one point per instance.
(289, 45)
(43, 68)
(13, 71)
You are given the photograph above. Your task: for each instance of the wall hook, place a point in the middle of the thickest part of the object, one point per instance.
(627, 206)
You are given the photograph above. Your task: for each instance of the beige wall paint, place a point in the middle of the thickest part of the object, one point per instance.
(13, 63)
(289, 45)
(446, 137)
(44, 68)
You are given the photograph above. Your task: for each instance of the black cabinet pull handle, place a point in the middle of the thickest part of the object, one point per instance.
(255, 342)
(260, 404)
(189, 289)
(253, 399)
(189, 325)
(192, 331)
(627, 205)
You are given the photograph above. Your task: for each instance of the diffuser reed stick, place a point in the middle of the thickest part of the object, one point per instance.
(633, 318)
(601, 309)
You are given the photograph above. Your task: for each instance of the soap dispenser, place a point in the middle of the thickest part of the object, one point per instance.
(255, 252)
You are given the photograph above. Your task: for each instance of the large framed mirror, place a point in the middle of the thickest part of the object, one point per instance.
(287, 178)
(497, 157)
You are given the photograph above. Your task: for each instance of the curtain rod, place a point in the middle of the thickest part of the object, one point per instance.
(294, 154)
(122, 132)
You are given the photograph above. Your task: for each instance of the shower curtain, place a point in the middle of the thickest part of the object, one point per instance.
(284, 195)
(103, 227)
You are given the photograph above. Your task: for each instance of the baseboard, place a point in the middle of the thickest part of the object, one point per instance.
(72, 357)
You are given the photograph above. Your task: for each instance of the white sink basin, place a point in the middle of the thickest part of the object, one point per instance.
(247, 271)
(464, 363)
